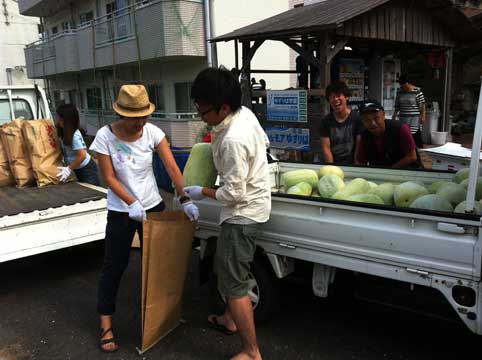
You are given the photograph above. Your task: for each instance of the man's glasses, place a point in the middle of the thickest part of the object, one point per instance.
(205, 112)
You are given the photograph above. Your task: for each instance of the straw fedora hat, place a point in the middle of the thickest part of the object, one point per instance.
(133, 101)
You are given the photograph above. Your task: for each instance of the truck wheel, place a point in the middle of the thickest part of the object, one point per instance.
(263, 290)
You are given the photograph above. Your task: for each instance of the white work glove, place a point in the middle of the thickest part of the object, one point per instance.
(195, 192)
(191, 210)
(64, 173)
(137, 212)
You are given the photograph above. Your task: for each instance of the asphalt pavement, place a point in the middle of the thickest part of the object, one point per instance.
(48, 302)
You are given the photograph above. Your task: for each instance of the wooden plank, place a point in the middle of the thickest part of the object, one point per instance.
(365, 25)
(403, 30)
(409, 25)
(393, 23)
(381, 23)
(387, 23)
(349, 28)
(373, 25)
(357, 31)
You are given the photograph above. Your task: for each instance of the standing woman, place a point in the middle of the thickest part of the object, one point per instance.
(76, 157)
(125, 151)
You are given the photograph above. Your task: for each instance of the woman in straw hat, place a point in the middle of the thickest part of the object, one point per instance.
(125, 151)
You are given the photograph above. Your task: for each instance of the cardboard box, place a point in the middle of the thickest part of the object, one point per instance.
(450, 156)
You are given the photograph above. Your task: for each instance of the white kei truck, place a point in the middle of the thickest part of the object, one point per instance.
(37, 220)
(419, 248)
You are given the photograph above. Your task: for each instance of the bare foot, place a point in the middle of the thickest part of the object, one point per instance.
(223, 321)
(248, 356)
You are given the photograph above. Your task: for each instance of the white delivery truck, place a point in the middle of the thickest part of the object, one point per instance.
(423, 248)
(37, 220)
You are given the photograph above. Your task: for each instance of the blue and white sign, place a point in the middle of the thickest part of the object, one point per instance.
(289, 138)
(287, 105)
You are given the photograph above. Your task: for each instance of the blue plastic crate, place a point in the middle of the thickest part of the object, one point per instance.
(162, 177)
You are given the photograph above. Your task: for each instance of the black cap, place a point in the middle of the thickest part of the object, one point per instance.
(370, 105)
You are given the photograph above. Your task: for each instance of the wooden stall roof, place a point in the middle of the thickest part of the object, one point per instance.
(429, 22)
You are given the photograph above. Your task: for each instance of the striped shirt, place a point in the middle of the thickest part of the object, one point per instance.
(409, 104)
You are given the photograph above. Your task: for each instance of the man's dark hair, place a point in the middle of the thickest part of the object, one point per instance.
(69, 113)
(215, 87)
(337, 87)
(404, 79)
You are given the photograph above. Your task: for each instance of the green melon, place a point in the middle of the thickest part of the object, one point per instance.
(366, 198)
(329, 185)
(302, 188)
(432, 202)
(455, 193)
(385, 192)
(200, 169)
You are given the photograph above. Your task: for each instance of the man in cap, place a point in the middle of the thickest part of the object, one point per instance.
(385, 143)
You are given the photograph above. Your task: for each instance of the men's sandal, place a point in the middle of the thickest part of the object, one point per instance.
(213, 323)
(103, 342)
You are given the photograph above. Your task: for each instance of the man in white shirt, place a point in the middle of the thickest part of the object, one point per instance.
(239, 146)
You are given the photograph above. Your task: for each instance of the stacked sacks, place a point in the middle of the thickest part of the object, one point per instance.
(33, 151)
(16, 149)
(44, 149)
(6, 176)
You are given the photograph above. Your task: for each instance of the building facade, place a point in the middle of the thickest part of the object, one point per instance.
(16, 31)
(91, 47)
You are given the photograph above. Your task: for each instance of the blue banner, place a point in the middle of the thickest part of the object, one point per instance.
(289, 138)
(287, 105)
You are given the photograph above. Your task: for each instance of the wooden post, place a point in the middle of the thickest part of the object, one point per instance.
(236, 55)
(246, 75)
(325, 69)
(448, 90)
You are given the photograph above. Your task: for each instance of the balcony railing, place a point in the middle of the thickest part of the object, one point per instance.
(164, 29)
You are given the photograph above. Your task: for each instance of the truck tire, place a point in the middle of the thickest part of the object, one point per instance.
(263, 290)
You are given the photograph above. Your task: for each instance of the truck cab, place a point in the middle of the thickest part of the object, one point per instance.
(23, 101)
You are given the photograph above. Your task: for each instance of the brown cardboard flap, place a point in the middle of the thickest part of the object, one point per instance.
(167, 243)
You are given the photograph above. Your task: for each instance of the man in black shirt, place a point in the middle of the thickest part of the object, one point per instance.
(340, 129)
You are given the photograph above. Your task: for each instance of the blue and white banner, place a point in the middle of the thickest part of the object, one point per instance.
(287, 105)
(289, 138)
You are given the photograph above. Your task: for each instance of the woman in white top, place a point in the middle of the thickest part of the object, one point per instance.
(125, 151)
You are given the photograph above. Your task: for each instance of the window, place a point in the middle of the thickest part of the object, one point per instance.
(156, 96)
(55, 30)
(110, 8)
(57, 99)
(21, 109)
(66, 26)
(94, 99)
(184, 103)
(86, 18)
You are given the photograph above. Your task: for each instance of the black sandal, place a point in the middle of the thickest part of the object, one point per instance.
(103, 342)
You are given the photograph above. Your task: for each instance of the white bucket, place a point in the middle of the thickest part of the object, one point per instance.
(438, 137)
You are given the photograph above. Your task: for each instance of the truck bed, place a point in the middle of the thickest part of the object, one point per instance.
(14, 201)
(363, 237)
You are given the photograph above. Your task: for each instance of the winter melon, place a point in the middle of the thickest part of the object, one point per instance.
(329, 185)
(432, 202)
(200, 169)
(302, 188)
(291, 178)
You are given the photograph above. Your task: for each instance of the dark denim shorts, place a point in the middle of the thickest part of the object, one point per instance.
(88, 174)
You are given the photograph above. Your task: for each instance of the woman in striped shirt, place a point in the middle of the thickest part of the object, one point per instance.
(410, 105)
